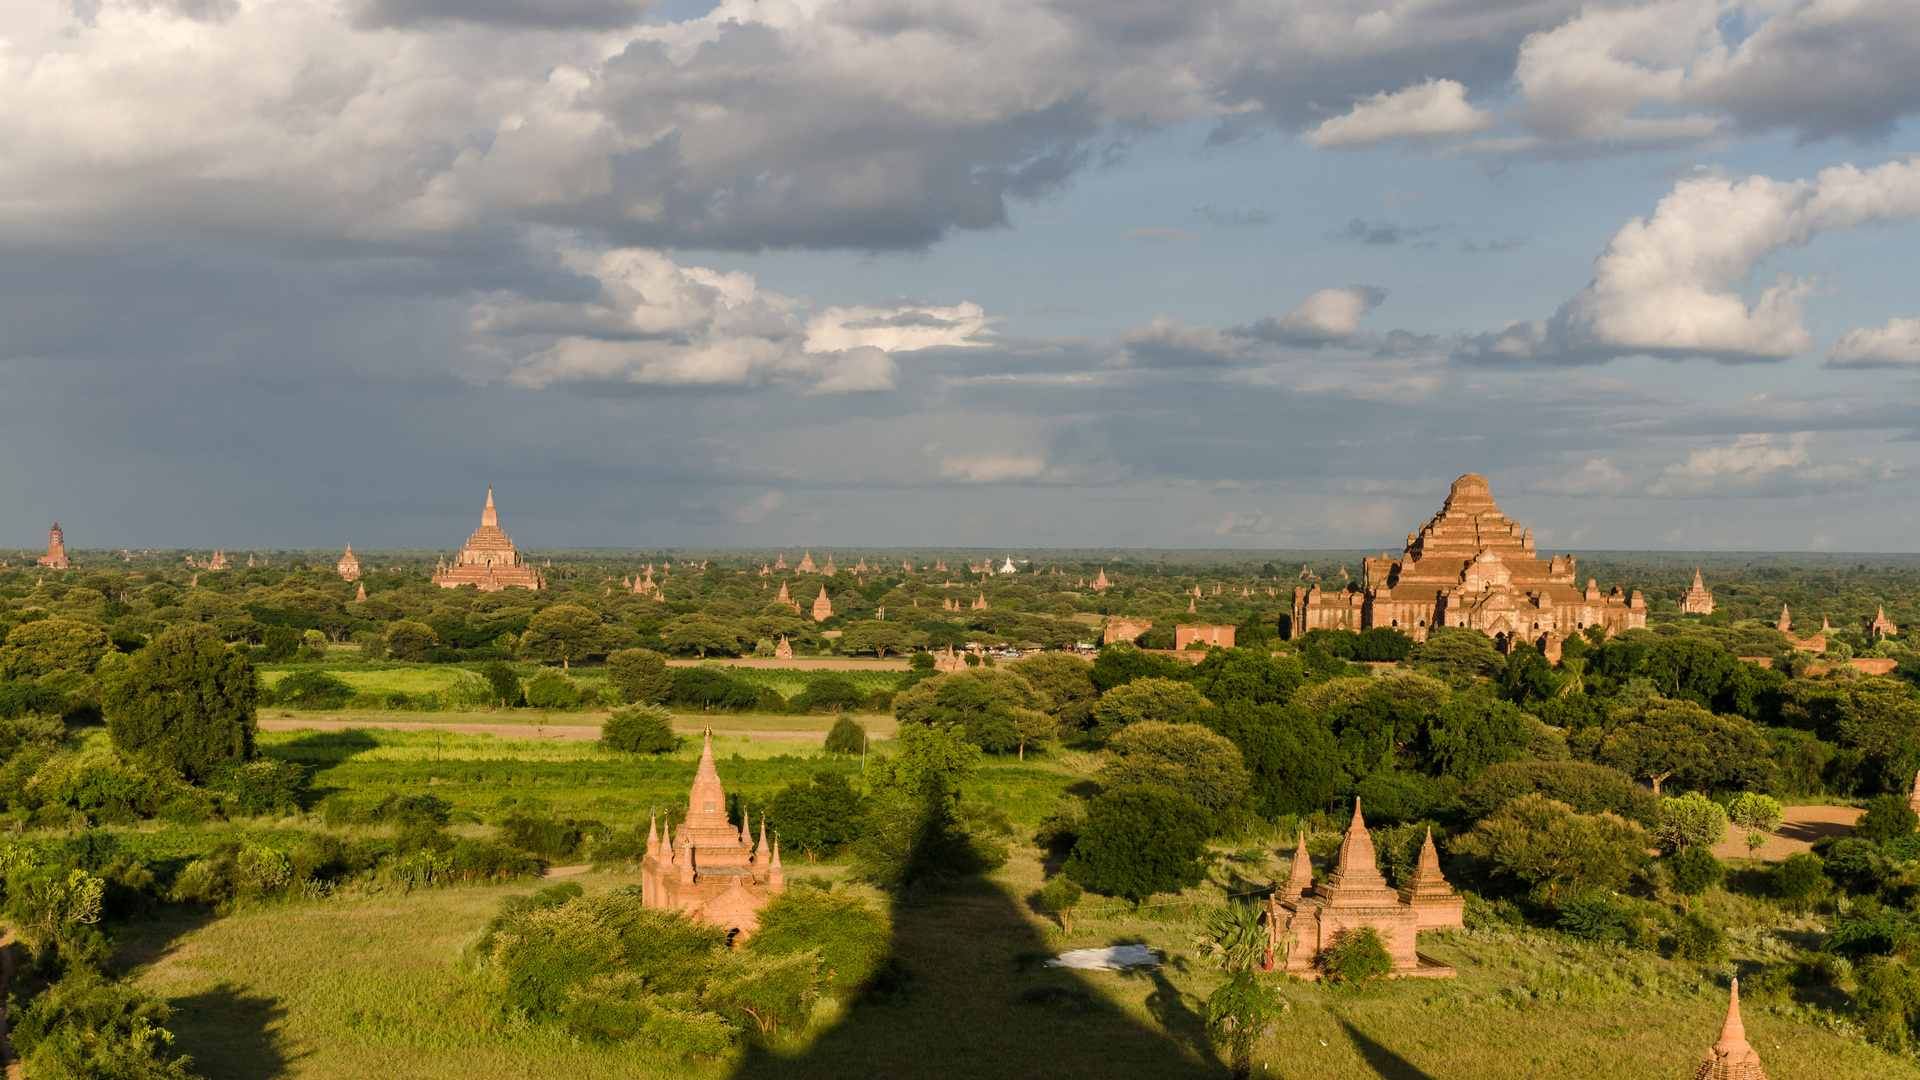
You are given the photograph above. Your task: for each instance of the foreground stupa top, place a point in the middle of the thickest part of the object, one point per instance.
(489, 560)
(1471, 566)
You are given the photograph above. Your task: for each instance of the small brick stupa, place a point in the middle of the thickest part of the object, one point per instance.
(712, 871)
(1356, 895)
(1697, 600)
(56, 556)
(1732, 1057)
(822, 606)
(1881, 626)
(489, 560)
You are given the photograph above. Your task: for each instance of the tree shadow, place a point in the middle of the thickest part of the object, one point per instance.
(230, 1034)
(1387, 1064)
(976, 999)
(319, 751)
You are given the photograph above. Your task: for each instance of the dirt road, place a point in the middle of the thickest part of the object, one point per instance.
(1803, 825)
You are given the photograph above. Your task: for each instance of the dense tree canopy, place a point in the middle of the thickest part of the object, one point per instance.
(184, 702)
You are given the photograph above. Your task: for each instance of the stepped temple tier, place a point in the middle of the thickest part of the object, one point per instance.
(1471, 566)
(56, 556)
(348, 567)
(1304, 919)
(1698, 600)
(489, 560)
(712, 871)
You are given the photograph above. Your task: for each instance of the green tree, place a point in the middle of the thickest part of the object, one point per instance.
(1186, 758)
(1756, 815)
(567, 632)
(816, 815)
(502, 683)
(1801, 879)
(45, 646)
(1458, 654)
(846, 737)
(1470, 733)
(1065, 682)
(1888, 817)
(407, 639)
(998, 710)
(641, 675)
(1239, 1012)
(1144, 699)
(874, 636)
(913, 840)
(1692, 820)
(1545, 844)
(1141, 841)
(854, 938)
(1694, 870)
(925, 761)
(1527, 676)
(1680, 741)
(1060, 896)
(641, 729)
(184, 702)
(1291, 756)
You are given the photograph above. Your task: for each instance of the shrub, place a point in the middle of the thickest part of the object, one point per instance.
(1239, 1012)
(1141, 841)
(1357, 957)
(1690, 821)
(260, 787)
(914, 839)
(815, 815)
(1060, 896)
(1184, 758)
(409, 639)
(503, 685)
(712, 688)
(85, 1026)
(641, 729)
(311, 690)
(552, 690)
(848, 736)
(1755, 814)
(392, 809)
(1801, 879)
(1876, 932)
(828, 693)
(1696, 939)
(1587, 788)
(1694, 870)
(641, 675)
(1888, 1003)
(184, 702)
(1888, 817)
(546, 836)
(1855, 863)
(1597, 916)
(854, 938)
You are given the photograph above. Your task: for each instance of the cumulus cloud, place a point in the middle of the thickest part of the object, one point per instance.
(759, 509)
(651, 321)
(1667, 285)
(529, 14)
(1822, 68)
(991, 469)
(1166, 342)
(1895, 344)
(1597, 476)
(1433, 109)
(1755, 465)
(1327, 317)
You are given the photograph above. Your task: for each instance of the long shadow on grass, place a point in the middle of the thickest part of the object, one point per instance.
(978, 1002)
(1389, 1065)
(230, 1034)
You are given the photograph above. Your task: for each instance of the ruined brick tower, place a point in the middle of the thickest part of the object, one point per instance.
(56, 556)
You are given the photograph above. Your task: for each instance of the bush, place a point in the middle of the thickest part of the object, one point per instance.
(185, 702)
(1694, 870)
(85, 1027)
(1545, 844)
(546, 836)
(848, 736)
(1888, 817)
(1357, 957)
(640, 729)
(311, 690)
(815, 815)
(503, 685)
(1801, 879)
(641, 675)
(391, 809)
(911, 840)
(712, 688)
(1696, 939)
(1141, 841)
(828, 694)
(1690, 821)
(1597, 916)
(552, 690)
(854, 938)
(1888, 1003)
(260, 787)
(1587, 788)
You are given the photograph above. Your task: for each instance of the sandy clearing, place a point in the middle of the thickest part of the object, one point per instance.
(1803, 826)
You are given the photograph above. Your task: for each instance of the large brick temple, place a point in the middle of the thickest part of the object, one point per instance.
(489, 560)
(1471, 566)
(711, 870)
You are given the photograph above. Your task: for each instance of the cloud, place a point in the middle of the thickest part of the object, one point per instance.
(1587, 78)
(991, 469)
(1436, 108)
(1327, 317)
(1824, 68)
(1166, 342)
(1666, 285)
(1754, 465)
(1896, 344)
(528, 14)
(1159, 235)
(650, 321)
(1596, 477)
(899, 327)
(1235, 523)
(1382, 232)
(757, 511)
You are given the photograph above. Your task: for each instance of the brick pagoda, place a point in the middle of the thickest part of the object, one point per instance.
(348, 567)
(489, 560)
(1732, 1057)
(56, 556)
(1697, 600)
(711, 871)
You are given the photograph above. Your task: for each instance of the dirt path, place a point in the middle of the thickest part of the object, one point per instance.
(516, 731)
(1801, 827)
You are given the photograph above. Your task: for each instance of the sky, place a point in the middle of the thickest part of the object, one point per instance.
(1117, 273)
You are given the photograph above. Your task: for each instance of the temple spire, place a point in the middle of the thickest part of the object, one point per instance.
(1300, 876)
(653, 834)
(1732, 1057)
(489, 516)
